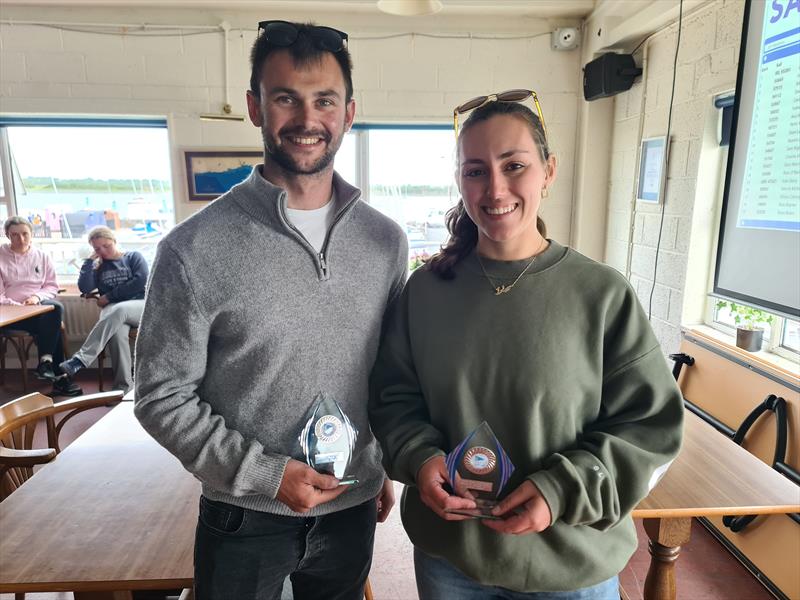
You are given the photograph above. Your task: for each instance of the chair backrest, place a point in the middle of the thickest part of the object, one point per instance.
(18, 421)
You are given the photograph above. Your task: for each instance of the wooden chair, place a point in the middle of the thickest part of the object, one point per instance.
(368, 591)
(102, 356)
(22, 342)
(18, 421)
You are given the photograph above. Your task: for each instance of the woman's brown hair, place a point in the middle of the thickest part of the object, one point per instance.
(463, 232)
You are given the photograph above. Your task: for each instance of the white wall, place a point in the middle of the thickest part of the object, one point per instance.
(707, 63)
(419, 78)
(402, 79)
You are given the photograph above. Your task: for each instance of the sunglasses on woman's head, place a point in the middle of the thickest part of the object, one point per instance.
(507, 96)
(284, 34)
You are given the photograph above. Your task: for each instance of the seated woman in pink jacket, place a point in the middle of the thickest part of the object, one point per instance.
(27, 276)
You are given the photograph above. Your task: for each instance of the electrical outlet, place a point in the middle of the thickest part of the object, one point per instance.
(565, 38)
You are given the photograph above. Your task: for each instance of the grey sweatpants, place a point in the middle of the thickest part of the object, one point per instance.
(112, 329)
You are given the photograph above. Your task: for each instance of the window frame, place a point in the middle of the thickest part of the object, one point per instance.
(7, 168)
(363, 180)
(361, 131)
(8, 197)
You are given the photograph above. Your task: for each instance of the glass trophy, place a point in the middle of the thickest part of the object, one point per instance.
(479, 469)
(328, 440)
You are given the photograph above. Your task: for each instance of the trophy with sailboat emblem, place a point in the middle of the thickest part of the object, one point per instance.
(479, 469)
(328, 439)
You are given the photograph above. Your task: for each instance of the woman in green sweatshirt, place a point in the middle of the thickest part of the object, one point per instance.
(550, 348)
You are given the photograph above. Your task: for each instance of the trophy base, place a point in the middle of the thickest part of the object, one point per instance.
(482, 511)
(475, 513)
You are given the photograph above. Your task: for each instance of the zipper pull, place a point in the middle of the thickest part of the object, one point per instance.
(322, 264)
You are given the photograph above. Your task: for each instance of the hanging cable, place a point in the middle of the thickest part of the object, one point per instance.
(666, 160)
(132, 29)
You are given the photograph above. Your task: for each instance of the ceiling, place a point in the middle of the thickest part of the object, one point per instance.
(499, 8)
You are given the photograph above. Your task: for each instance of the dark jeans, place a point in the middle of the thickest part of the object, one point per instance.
(437, 579)
(247, 554)
(46, 329)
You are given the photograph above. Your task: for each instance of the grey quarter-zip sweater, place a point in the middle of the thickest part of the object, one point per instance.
(245, 324)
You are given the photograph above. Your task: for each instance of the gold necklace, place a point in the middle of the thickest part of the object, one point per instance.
(502, 288)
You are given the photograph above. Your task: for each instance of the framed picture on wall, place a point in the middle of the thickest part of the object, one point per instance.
(651, 169)
(211, 173)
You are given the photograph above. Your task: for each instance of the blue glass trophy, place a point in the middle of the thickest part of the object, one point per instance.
(479, 469)
(328, 440)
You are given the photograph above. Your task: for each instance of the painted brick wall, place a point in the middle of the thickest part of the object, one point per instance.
(411, 78)
(707, 62)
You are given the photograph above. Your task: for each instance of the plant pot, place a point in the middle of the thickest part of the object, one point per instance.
(749, 339)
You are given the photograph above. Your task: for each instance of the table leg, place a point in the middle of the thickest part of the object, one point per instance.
(666, 538)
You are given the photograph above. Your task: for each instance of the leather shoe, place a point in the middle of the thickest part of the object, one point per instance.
(44, 371)
(64, 386)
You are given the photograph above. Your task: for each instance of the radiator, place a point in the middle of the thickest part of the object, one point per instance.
(80, 315)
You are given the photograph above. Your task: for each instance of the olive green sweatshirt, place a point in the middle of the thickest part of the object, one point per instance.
(566, 370)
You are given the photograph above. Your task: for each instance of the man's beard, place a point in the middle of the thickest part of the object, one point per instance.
(278, 154)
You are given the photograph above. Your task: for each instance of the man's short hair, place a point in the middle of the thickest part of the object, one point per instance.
(304, 51)
(15, 220)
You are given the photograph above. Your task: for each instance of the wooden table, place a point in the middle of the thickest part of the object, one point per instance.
(115, 512)
(711, 476)
(12, 314)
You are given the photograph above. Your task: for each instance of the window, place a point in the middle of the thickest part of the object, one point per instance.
(406, 173)
(411, 180)
(74, 175)
(346, 159)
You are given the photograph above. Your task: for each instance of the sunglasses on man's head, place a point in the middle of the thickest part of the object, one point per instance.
(507, 96)
(284, 34)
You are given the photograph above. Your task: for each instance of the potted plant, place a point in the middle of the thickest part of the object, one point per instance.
(748, 333)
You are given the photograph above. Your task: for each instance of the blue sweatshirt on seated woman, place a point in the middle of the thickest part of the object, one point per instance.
(118, 279)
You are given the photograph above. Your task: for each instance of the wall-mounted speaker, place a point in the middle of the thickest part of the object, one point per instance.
(608, 75)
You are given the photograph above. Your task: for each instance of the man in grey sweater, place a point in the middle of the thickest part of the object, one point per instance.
(273, 294)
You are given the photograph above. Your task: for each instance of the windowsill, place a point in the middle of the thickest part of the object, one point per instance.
(781, 367)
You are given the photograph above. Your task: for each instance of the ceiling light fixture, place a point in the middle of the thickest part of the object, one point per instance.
(410, 8)
(225, 115)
